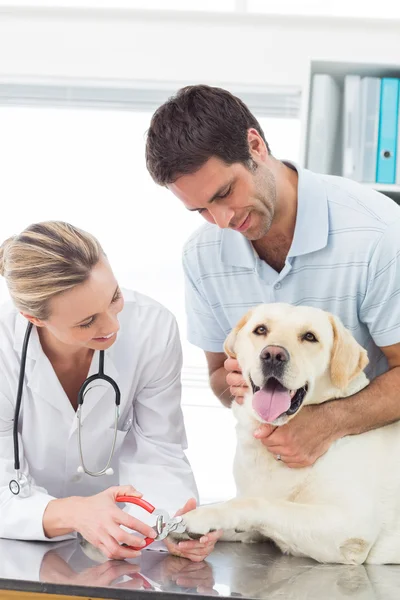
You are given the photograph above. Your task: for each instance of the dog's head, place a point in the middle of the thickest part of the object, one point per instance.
(291, 356)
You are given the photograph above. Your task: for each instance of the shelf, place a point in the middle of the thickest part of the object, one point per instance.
(393, 191)
(384, 187)
(338, 70)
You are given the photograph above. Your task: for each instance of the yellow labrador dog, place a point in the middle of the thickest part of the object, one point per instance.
(343, 509)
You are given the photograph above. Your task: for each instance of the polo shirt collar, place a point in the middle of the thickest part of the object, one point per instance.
(311, 229)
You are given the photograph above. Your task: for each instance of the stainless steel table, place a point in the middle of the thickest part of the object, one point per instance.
(233, 570)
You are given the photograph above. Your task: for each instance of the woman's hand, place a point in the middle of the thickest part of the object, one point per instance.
(98, 519)
(54, 569)
(194, 550)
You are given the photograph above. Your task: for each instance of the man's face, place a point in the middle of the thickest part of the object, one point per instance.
(231, 196)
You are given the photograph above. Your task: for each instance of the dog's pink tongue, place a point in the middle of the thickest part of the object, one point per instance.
(271, 401)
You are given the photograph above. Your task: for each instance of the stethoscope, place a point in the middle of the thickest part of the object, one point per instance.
(21, 485)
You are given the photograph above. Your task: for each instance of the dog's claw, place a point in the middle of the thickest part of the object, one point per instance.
(194, 536)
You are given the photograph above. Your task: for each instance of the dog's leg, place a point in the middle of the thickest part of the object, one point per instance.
(325, 533)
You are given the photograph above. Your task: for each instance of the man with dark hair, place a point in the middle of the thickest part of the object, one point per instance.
(279, 233)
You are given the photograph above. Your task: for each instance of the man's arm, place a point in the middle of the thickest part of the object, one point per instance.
(375, 406)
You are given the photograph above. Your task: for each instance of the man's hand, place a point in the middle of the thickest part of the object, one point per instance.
(299, 443)
(237, 386)
(195, 550)
(303, 440)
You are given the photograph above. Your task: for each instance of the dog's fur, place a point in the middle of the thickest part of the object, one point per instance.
(343, 509)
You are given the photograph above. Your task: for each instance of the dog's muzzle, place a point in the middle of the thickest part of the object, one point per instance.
(274, 400)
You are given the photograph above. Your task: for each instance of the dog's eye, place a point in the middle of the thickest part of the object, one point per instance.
(260, 330)
(309, 337)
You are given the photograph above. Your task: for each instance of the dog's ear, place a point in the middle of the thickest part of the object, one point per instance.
(348, 358)
(229, 345)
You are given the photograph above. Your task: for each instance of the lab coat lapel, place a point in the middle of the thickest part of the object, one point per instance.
(39, 374)
(43, 382)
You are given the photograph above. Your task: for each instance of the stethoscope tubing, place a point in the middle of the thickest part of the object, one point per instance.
(21, 480)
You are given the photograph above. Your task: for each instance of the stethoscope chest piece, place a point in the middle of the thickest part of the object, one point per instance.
(20, 486)
(14, 486)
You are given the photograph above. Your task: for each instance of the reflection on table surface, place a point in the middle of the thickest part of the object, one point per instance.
(240, 570)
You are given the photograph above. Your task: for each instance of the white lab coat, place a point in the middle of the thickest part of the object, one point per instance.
(145, 361)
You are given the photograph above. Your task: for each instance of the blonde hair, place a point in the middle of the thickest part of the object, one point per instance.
(45, 260)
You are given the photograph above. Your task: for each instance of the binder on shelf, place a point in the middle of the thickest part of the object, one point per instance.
(398, 145)
(369, 128)
(324, 118)
(387, 136)
(351, 127)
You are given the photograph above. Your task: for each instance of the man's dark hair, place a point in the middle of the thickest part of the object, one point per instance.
(197, 123)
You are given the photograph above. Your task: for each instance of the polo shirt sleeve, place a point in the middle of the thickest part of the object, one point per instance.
(380, 309)
(203, 328)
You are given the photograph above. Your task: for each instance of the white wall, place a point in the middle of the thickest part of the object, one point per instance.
(184, 47)
(174, 48)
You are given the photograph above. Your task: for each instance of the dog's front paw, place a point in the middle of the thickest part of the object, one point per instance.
(202, 520)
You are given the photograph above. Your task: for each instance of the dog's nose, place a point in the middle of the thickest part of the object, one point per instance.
(274, 355)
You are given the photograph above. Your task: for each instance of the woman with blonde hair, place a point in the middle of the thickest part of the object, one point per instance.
(69, 320)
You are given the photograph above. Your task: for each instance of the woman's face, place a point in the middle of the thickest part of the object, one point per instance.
(87, 315)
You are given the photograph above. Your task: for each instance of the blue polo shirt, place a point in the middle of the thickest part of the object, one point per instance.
(344, 258)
